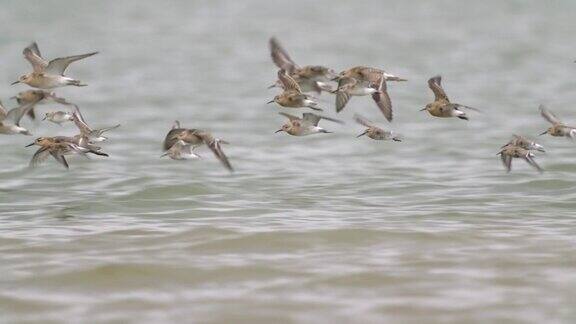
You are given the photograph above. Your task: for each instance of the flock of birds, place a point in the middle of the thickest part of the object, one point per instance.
(296, 83)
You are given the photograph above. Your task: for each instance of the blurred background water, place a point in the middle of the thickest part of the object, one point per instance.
(326, 228)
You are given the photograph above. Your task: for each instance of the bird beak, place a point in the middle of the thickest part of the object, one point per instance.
(14, 97)
(423, 109)
(546, 132)
(13, 83)
(278, 131)
(269, 102)
(29, 144)
(362, 134)
(44, 117)
(163, 155)
(272, 86)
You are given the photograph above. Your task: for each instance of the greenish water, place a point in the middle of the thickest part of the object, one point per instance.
(308, 230)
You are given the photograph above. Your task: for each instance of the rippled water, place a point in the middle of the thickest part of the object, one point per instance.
(316, 229)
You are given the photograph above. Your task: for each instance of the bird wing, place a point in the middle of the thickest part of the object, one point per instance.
(548, 115)
(60, 158)
(435, 84)
(3, 112)
(507, 161)
(59, 65)
(105, 129)
(310, 119)
(382, 99)
(342, 97)
(533, 163)
(57, 99)
(289, 116)
(80, 122)
(214, 145)
(32, 55)
(171, 137)
(362, 121)
(39, 157)
(288, 82)
(16, 114)
(280, 56)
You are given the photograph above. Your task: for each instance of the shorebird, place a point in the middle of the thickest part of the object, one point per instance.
(58, 147)
(40, 97)
(58, 117)
(509, 152)
(10, 120)
(375, 132)
(292, 96)
(307, 125)
(310, 78)
(363, 81)
(524, 143)
(49, 75)
(181, 151)
(92, 134)
(442, 107)
(196, 137)
(558, 128)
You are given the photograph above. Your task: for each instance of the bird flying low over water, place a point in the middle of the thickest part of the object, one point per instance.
(310, 77)
(58, 117)
(181, 151)
(292, 96)
(509, 152)
(10, 120)
(95, 135)
(58, 147)
(195, 137)
(441, 106)
(48, 75)
(558, 128)
(307, 125)
(524, 143)
(40, 97)
(374, 132)
(363, 81)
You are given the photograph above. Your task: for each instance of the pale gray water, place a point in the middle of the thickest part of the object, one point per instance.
(310, 230)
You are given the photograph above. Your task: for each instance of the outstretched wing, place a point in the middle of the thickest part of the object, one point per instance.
(533, 163)
(507, 161)
(59, 65)
(290, 117)
(32, 54)
(548, 115)
(281, 57)
(310, 119)
(39, 157)
(171, 137)
(435, 84)
(80, 122)
(381, 98)
(16, 114)
(288, 82)
(362, 121)
(3, 112)
(214, 145)
(57, 99)
(60, 158)
(342, 97)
